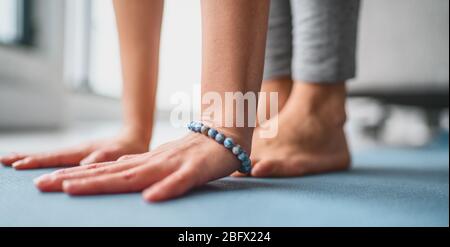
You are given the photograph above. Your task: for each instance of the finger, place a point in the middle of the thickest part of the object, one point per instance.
(52, 159)
(96, 157)
(81, 168)
(97, 165)
(127, 157)
(11, 158)
(122, 158)
(174, 185)
(53, 182)
(131, 180)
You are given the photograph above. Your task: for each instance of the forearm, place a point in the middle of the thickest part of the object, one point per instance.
(139, 28)
(234, 35)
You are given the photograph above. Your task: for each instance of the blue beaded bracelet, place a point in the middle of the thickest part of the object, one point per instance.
(227, 142)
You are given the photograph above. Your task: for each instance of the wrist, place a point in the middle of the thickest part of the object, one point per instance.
(229, 139)
(241, 135)
(137, 134)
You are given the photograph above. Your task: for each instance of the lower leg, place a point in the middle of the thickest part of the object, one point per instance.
(311, 135)
(282, 86)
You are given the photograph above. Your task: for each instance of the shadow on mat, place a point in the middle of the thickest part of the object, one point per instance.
(360, 183)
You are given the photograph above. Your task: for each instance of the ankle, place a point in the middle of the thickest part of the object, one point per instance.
(325, 102)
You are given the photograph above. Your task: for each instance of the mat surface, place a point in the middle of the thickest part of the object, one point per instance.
(386, 187)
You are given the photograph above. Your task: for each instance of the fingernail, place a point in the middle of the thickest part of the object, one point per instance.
(151, 195)
(84, 162)
(65, 184)
(68, 187)
(17, 164)
(42, 180)
(57, 172)
(148, 197)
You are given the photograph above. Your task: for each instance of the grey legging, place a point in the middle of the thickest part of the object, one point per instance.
(312, 40)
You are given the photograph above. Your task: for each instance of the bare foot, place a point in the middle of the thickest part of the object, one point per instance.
(310, 135)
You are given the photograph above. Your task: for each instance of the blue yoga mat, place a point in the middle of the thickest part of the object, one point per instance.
(385, 187)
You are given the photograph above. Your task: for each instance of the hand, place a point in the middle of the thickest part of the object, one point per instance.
(166, 172)
(91, 152)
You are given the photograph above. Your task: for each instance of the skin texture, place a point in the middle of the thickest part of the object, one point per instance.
(311, 116)
(234, 35)
(283, 86)
(139, 54)
(233, 51)
(85, 153)
(166, 172)
(139, 27)
(311, 136)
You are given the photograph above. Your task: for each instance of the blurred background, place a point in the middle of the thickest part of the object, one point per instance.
(60, 77)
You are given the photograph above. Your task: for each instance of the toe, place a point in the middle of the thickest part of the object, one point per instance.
(263, 168)
(255, 160)
(238, 174)
(279, 168)
(294, 167)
